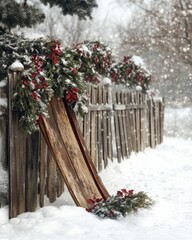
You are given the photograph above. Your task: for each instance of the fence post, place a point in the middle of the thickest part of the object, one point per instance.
(16, 153)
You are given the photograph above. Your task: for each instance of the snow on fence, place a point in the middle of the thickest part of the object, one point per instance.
(118, 122)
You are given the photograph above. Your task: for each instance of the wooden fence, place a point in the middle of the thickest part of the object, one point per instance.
(118, 122)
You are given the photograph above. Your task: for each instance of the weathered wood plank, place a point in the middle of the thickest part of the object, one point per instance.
(137, 122)
(16, 155)
(125, 134)
(162, 107)
(128, 120)
(142, 119)
(86, 155)
(117, 130)
(42, 166)
(99, 131)
(93, 129)
(104, 123)
(60, 183)
(109, 125)
(31, 184)
(51, 178)
(151, 123)
(133, 124)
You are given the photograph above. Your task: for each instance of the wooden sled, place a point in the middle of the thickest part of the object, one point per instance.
(65, 141)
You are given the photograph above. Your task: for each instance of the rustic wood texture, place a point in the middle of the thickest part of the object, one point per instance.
(31, 181)
(67, 154)
(51, 178)
(16, 156)
(85, 153)
(42, 170)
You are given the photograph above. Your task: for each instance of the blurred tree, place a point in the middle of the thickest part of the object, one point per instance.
(162, 31)
(22, 13)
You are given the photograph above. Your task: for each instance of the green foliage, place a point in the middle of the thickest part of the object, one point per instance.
(19, 14)
(24, 15)
(127, 72)
(81, 8)
(123, 203)
(14, 47)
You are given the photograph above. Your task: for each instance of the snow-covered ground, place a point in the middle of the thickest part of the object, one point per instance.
(178, 122)
(165, 173)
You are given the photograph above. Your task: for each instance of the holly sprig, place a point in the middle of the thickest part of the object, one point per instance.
(123, 203)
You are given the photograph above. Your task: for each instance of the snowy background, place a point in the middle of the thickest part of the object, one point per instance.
(165, 173)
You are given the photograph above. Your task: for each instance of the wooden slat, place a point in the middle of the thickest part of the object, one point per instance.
(151, 123)
(16, 156)
(99, 131)
(42, 167)
(155, 121)
(93, 127)
(125, 129)
(161, 116)
(128, 121)
(110, 125)
(142, 119)
(87, 122)
(117, 130)
(31, 184)
(120, 119)
(104, 126)
(60, 183)
(137, 122)
(133, 124)
(51, 178)
(85, 153)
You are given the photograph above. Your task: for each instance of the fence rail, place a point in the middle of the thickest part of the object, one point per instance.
(118, 122)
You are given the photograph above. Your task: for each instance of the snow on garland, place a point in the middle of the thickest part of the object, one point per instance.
(66, 72)
(131, 74)
(123, 203)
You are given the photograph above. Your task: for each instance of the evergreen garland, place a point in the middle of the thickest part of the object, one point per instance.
(128, 73)
(49, 69)
(123, 203)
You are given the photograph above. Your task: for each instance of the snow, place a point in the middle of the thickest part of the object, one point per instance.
(3, 102)
(106, 81)
(165, 173)
(17, 66)
(138, 88)
(3, 83)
